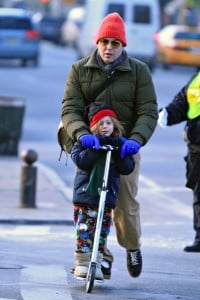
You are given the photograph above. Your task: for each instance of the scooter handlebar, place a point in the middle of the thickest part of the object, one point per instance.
(109, 147)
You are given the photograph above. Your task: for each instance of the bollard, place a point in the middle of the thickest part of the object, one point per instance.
(28, 179)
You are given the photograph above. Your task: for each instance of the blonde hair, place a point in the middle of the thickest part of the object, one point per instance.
(117, 131)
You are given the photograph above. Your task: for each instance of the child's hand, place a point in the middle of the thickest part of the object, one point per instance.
(89, 141)
(129, 147)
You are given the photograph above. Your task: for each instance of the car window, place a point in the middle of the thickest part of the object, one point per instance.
(141, 14)
(15, 23)
(119, 8)
(188, 35)
(47, 21)
(50, 21)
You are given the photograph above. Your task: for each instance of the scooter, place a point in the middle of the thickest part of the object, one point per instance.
(93, 262)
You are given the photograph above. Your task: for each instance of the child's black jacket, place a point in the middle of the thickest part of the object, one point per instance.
(85, 159)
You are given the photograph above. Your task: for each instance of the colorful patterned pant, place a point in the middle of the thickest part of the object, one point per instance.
(85, 221)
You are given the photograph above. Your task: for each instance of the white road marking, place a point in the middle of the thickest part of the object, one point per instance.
(47, 282)
(68, 191)
(56, 181)
(164, 200)
(25, 231)
(149, 186)
(152, 185)
(7, 299)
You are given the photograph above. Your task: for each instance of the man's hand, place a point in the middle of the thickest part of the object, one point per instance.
(89, 141)
(129, 147)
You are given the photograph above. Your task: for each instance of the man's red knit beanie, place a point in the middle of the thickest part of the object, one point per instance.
(112, 26)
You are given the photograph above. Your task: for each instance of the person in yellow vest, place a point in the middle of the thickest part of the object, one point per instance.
(186, 107)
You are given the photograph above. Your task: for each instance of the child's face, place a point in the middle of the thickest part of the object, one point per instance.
(106, 126)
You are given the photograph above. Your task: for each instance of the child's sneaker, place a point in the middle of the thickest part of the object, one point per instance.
(99, 274)
(81, 264)
(106, 268)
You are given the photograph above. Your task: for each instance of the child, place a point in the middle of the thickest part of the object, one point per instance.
(88, 180)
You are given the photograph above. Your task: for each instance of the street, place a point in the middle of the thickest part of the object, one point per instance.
(42, 256)
(32, 255)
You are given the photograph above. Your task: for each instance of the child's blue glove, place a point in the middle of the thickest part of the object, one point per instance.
(129, 147)
(89, 141)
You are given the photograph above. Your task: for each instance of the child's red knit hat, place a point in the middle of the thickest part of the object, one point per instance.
(112, 26)
(104, 112)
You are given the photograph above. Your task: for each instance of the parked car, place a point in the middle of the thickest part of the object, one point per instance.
(19, 39)
(178, 45)
(50, 28)
(71, 27)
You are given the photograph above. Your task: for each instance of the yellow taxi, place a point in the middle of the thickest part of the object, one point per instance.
(178, 45)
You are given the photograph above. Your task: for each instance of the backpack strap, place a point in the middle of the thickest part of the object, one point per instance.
(105, 84)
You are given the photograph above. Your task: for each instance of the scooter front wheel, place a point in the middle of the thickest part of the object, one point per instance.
(90, 277)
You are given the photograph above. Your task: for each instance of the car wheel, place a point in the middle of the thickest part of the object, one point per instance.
(75, 46)
(24, 62)
(165, 66)
(152, 66)
(79, 55)
(36, 61)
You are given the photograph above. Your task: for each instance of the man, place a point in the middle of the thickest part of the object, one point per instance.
(186, 107)
(131, 94)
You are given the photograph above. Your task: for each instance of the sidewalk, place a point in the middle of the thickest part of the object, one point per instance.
(52, 200)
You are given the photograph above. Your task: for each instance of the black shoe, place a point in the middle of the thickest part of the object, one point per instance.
(195, 247)
(106, 268)
(134, 262)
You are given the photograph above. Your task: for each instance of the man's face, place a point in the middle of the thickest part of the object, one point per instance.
(109, 49)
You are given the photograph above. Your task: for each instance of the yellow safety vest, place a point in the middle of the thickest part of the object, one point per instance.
(192, 3)
(193, 97)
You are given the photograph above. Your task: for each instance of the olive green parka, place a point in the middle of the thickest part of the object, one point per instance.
(131, 95)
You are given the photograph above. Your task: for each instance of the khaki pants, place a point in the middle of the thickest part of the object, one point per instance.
(126, 215)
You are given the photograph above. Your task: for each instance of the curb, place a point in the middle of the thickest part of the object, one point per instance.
(37, 222)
